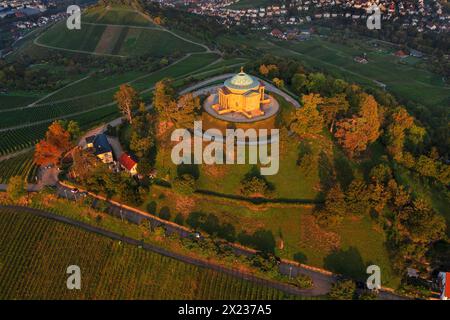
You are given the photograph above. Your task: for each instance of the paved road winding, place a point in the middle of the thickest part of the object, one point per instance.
(268, 85)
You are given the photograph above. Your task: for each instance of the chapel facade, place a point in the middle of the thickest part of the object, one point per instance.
(243, 94)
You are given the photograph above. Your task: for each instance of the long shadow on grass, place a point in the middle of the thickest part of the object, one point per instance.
(346, 262)
(326, 175)
(344, 172)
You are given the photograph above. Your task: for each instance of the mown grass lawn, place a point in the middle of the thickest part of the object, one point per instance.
(348, 249)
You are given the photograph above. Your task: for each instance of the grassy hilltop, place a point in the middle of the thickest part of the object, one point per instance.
(117, 31)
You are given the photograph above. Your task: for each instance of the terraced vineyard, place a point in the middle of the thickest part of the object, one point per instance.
(22, 165)
(15, 101)
(45, 112)
(94, 103)
(36, 253)
(116, 40)
(15, 140)
(18, 139)
(116, 15)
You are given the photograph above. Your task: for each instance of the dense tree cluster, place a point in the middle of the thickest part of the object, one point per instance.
(38, 72)
(181, 112)
(356, 133)
(16, 188)
(343, 290)
(95, 176)
(142, 125)
(307, 119)
(50, 150)
(205, 28)
(255, 186)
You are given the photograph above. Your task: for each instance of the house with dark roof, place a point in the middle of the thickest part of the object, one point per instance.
(100, 146)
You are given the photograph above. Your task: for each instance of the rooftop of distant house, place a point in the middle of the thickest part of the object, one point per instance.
(100, 142)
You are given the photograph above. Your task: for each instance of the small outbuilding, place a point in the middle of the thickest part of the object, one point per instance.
(128, 163)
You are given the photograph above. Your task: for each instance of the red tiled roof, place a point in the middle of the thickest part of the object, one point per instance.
(277, 32)
(400, 53)
(126, 161)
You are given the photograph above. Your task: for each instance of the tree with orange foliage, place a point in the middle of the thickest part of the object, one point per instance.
(127, 99)
(307, 119)
(263, 70)
(395, 133)
(356, 133)
(55, 144)
(331, 107)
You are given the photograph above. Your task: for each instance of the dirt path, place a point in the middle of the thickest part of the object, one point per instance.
(37, 43)
(36, 103)
(123, 26)
(15, 154)
(175, 34)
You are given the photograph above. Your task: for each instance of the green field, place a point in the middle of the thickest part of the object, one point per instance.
(36, 253)
(347, 249)
(18, 139)
(404, 78)
(116, 40)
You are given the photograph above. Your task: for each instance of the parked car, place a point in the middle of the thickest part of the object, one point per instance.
(197, 235)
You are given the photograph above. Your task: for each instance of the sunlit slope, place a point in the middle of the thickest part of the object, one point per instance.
(117, 32)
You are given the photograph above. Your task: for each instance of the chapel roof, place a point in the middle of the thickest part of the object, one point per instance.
(242, 81)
